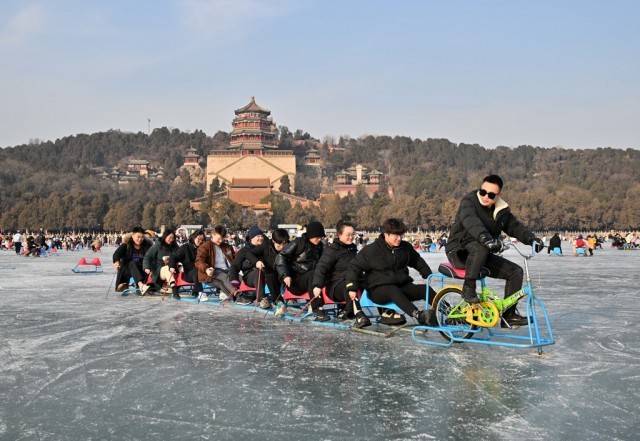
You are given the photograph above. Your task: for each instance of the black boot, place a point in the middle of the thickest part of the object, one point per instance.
(469, 294)
(362, 321)
(175, 295)
(320, 316)
(511, 318)
(426, 317)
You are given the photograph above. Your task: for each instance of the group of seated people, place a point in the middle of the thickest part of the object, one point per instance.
(306, 264)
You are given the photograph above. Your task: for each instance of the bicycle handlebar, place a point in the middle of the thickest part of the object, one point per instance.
(508, 245)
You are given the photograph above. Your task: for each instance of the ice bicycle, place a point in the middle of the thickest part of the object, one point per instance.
(459, 321)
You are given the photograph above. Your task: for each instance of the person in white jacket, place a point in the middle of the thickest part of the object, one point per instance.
(17, 242)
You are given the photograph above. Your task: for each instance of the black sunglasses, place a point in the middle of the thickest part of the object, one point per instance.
(484, 192)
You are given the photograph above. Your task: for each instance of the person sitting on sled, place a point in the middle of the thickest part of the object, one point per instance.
(296, 262)
(186, 255)
(128, 257)
(156, 261)
(385, 264)
(259, 258)
(252, 275)
(213, 261)
(475, 236)
(331, 273)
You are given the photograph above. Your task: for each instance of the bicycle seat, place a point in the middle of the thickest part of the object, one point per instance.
(449, 271)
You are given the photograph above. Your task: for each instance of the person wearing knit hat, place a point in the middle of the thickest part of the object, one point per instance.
(315, 229)
(296, 263)
(252, 270)
(580, 246)
(253, 232)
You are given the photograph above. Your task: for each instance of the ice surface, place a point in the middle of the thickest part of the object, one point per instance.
(80, 362)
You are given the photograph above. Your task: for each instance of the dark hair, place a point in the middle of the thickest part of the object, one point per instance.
(494, 179)
(341, 224)
(280, 236)
(192, 236)
(166, 233)
(220, 229)
(394, 226)
(137, 230)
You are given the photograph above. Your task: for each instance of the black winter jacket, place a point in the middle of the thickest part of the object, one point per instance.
(383, 265)
(266, 253)
(333, 264)
(186, 255)
(124, 253)
(555, 242)
(244, 261)
(297, 257)
(473, 219)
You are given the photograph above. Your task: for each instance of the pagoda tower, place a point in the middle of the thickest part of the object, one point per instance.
(252, 153)
(253, 129)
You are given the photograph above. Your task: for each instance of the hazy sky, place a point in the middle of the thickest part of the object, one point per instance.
(544, 73)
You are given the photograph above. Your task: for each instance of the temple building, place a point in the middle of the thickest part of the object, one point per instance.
(253, 152)
(312, 158)
(348, 180)
(191, 157)
(138, 166)
(249, 192)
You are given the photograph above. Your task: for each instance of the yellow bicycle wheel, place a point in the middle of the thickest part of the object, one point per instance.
(448, 305)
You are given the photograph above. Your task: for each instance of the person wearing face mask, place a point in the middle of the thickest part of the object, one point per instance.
(385, 266)
(475, 239)
(128, 258)
(296, 262)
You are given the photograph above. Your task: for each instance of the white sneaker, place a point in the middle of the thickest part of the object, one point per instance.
(223, 297)
(202, 297)
(144, 289)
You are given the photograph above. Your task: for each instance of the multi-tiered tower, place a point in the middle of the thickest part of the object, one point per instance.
(253, 129)
(252, 152)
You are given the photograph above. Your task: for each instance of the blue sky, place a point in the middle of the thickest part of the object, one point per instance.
(544, 73)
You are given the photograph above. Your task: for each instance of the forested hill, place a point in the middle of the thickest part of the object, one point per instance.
(56, 184)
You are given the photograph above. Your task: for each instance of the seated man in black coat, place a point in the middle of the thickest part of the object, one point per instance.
(331, 274)
(385, 264)
(128, 258)
(297, 261)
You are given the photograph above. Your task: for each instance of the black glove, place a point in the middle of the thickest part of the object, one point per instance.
(494, 245)
(537, 244)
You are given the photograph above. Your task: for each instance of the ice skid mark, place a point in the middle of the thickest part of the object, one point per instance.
(299, 412)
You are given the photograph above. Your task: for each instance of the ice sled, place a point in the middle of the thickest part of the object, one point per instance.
(84, 267)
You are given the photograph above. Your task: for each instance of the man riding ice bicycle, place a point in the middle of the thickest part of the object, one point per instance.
(475, 236)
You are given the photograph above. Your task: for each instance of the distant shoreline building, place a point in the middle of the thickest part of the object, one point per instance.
(348, 180)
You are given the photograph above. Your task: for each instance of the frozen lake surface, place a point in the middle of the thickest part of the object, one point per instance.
(80, 362)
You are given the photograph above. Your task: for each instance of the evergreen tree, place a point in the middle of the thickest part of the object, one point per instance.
(285, 185)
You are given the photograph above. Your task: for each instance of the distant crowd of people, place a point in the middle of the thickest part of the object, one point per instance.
(35, 244)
